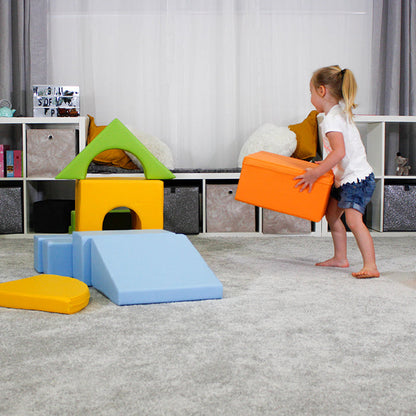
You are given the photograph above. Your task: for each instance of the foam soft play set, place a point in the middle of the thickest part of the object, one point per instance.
(144, 265)
(132, 266)
(148, 264)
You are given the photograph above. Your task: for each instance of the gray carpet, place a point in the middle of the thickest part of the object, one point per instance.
(288, 338)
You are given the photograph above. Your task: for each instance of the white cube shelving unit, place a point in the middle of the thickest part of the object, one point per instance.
(382, 136)
(13, 132)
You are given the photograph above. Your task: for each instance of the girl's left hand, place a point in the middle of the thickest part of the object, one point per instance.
(307, 179)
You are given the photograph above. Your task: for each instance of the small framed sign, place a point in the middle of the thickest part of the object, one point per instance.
(55, 101)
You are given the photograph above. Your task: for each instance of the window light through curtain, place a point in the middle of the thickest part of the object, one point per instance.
(202, 75)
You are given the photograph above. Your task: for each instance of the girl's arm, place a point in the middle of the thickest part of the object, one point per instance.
(336, 140)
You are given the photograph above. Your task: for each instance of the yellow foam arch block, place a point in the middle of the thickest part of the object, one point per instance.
(45, 292)
(95, 197)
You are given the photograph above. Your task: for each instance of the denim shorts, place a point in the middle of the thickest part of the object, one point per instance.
(355, 195)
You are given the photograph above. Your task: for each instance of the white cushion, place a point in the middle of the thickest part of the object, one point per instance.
(269, 138)
(157, 147)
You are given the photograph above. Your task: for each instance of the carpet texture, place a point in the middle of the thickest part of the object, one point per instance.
(288, 338)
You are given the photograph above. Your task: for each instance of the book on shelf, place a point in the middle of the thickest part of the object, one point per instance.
(3, 149)
(17, 163)
(13, 163)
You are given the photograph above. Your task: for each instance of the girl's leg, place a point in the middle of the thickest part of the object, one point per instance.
(365, 243)
(339, 236)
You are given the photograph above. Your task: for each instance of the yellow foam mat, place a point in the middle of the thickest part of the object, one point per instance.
(45, 292)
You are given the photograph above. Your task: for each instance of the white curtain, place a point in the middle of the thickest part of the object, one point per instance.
(202, 75)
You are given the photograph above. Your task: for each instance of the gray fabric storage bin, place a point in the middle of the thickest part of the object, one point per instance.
(225, 214)
(49, 151)
(399, 208)
(279, 223)
(11, 213)
(181, 209)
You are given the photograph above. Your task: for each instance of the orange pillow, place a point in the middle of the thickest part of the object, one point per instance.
(114, 157)
(306, 136)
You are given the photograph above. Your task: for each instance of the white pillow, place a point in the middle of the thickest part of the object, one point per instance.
(269, 138)
(157, 147)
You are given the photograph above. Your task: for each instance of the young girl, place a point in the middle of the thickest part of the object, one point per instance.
(333, 92)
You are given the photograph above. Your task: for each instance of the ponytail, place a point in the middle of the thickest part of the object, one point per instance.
(349, 91)
(341, 84)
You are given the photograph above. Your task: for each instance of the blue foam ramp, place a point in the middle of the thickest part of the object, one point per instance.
(37, 248)
(81, 265)
(57, 256)
(151, 268)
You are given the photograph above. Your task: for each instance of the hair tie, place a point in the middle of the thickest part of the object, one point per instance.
(343, 72)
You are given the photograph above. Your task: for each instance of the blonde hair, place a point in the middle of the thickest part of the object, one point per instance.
(340, 83)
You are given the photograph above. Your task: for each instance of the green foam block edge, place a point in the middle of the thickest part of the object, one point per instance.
(115, 136)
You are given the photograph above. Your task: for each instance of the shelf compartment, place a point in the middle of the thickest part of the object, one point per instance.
(49, 150)
(400, 137)
(372, 134)
(224, 213)
(46, 190)
(279, 223)
(11, 134)
(181, 212)
(373, 217)
(399, 206)
(52, 215)
(11, 207)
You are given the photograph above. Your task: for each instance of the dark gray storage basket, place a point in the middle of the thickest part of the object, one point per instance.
(181, 209)
(399, 208)
(11, 212)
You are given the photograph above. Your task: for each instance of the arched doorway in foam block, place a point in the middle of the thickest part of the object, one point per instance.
(95, 197)
(121, 218)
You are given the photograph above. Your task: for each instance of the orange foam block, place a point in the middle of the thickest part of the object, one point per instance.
(267, 181)
(95, 197)
(45, 292)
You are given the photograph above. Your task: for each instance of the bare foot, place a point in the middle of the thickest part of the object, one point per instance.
(334, 263)
(366, 273)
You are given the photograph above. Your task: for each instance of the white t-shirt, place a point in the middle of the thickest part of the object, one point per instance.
(354, 166)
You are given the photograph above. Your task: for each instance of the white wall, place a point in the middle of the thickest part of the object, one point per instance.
(203, 75)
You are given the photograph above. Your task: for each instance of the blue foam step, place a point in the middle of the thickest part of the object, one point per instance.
(57, 256)
(37, 248)
(150, 268)
(82, 249)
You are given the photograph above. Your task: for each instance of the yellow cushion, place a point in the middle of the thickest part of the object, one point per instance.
(45, 292)
(306, 136)
(114, 157)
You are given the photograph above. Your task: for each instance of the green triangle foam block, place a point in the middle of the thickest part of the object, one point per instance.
(115, 136)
